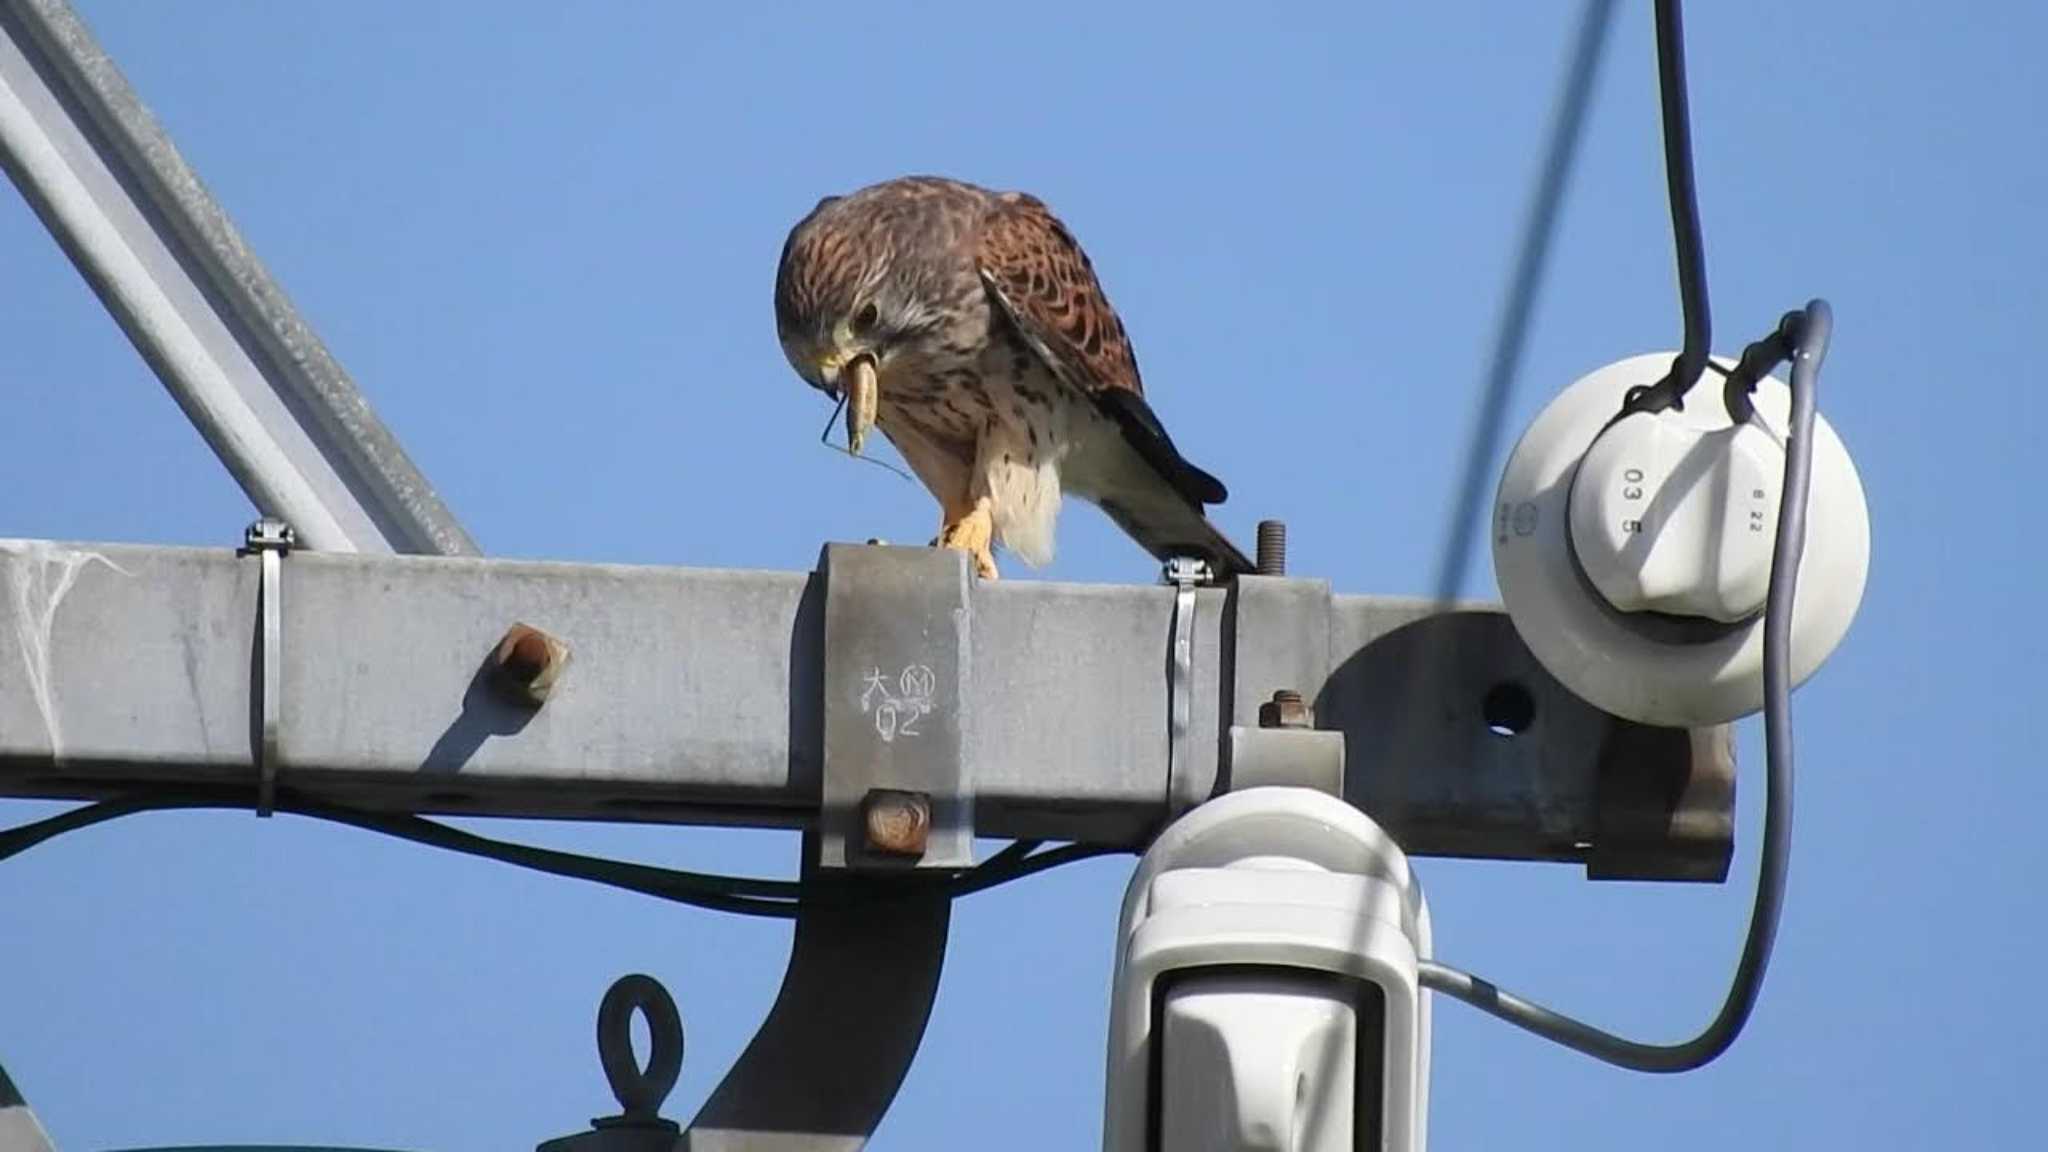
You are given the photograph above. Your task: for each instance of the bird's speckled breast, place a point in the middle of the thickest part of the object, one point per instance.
(955, 396)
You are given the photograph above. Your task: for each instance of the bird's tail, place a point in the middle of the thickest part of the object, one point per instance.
(1167, 525)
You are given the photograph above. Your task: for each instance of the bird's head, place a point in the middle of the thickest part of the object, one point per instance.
(846, 290)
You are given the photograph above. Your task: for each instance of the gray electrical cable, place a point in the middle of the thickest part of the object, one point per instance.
(1816, 328)
(1681, 188)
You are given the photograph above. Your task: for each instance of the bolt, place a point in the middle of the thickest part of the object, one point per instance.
(269, 533)
(898, 823)
(527, 663)
(1272, 559)
(1286, 710)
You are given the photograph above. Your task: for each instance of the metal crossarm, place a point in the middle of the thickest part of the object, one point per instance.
(702, 696)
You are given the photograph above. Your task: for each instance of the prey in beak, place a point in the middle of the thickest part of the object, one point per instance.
(855, 382)
(857, 386)
(863, 393)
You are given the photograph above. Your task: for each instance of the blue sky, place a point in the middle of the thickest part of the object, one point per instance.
(551, 225)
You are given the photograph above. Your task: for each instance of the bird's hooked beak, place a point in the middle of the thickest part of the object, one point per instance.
(838, 361)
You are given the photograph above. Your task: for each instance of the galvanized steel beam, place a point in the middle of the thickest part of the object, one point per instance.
(19, 1130)
(702, 696)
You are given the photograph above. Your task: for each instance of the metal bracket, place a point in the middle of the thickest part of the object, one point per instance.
(826, 1064)
(1296, 758)
(1185, 574)
(1278, 630)
(896, 792)
(270, 540)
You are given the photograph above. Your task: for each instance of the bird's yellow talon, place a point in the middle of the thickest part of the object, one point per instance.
(973, 533)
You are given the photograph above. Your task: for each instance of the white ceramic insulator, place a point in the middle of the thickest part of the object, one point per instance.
(1671, 513)
(1696, 548)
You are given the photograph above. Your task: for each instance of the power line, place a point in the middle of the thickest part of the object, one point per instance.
(1568, 125)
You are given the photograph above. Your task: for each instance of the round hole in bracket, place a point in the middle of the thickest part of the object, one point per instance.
(1508, 709)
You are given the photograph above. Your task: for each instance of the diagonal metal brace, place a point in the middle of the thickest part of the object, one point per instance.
(895, 805)
(290, 425)
(826, 1064)
(19, 1130)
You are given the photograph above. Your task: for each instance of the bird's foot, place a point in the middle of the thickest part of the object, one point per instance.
(973, 534)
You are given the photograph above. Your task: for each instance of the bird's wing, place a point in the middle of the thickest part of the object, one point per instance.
(1045, 285)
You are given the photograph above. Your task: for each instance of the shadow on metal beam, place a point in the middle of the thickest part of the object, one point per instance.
(1459, 689)
(823, 1069)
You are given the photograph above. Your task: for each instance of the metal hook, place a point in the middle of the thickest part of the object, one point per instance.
(640, 1091)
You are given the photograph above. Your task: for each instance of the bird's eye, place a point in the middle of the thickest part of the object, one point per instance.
(865, 320)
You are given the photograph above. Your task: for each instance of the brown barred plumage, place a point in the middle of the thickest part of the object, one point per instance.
(1005, 375)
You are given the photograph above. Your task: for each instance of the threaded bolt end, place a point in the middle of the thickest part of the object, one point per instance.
(1272, 557)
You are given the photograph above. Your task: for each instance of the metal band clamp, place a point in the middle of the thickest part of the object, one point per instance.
(270, 540)
(1185, 575)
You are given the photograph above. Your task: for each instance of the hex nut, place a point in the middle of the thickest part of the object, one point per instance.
(1286, 710)
(898, 823)
(527, 664)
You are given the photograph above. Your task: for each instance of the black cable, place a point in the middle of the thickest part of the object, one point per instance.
(1813, 329)
(1681, 191)
(988, 874)
(740, 895)
(1012, 852)
(718, 893)
(1567, 126)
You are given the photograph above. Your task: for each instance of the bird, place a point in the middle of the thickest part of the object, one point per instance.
(996, 365)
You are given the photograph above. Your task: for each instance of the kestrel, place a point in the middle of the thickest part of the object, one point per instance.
(996, 365)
